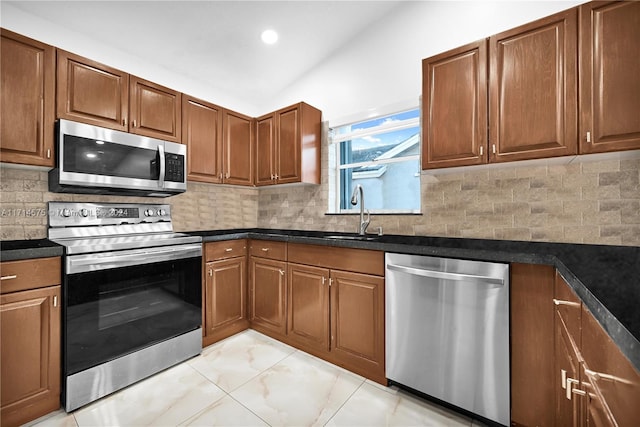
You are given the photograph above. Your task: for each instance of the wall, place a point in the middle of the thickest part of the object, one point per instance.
(24, 195)
(593, 199)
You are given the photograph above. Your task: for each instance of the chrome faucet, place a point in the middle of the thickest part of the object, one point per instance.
(362, 228)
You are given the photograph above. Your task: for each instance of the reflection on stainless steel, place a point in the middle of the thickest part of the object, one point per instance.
(447, 331)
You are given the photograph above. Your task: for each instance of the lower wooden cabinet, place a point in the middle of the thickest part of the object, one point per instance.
(29, 339)
(225, 292)
(268, 291)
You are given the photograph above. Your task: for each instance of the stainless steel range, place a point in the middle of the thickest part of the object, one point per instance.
(132, 295)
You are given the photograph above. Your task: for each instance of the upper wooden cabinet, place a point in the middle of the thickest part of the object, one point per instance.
(288, 146)
(202, 133)
(238, 151)
(27, 101)
(533, 89)
(91, 92)
(454, 124)
(97, 94)
(609, 70)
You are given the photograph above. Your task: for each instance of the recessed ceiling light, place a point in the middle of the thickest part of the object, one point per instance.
(269, 36)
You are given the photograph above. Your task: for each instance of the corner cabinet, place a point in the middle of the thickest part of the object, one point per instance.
(30, 297)
(225, 293)
(288, 146)
(609, 70)
(28, 100)
(96, 94)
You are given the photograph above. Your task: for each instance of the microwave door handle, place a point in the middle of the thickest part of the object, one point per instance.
(162, 166)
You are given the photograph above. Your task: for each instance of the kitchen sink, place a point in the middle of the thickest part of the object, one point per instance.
(352, 237)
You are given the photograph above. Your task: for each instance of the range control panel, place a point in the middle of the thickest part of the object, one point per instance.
(67, 214)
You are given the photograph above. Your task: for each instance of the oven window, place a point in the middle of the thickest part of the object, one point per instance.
(85, 155)
(110, 313)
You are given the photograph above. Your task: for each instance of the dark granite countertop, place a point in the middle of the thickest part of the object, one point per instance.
(12, 250)
(607, 278)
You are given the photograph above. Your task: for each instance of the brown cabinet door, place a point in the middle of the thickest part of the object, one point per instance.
(268, 295)
(265, 150)
(609, 70)
(308, 306)
(226, 294)
(533, 89)
(533, 383)
(289, 144)
(91, 92)
(202, 133)
(30, 360)
(238, 148)
(27, 101)
(612, 376)
(155, 110)
(454, 116)
(568, 312)
(357, 323)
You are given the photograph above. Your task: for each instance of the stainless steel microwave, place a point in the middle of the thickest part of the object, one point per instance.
(96, 160)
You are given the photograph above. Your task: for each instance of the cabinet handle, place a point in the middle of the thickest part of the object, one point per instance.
(569, 303)
(281, 272)
(228, 175)
(210, 272)
(493, 148)
(220, 176)
(55, 300)
(272, 177)
(124, 122)
(481, 150)
(133, 123)
(229, 250)
(48, 153)
(570, 383)
(324, 279)
(600, 376)
(588, 136)
(563, 378)
(578, 392)
(13, 276)
(265, 249)
(330, 281)
(277, 177)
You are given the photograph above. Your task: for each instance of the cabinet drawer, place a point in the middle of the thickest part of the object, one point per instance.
(30, 274)
(227, 249)
(348, 259)
(268, 249)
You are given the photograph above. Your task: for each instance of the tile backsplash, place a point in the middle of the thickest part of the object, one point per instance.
(594, 202)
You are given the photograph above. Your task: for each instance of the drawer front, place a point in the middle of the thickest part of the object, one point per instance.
(268, 249)
(347, 259)
(227, 249)
(30, 274)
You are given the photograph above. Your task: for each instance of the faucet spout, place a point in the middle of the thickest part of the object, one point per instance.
(359, 191)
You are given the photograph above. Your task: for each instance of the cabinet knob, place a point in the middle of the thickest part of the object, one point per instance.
(229, 250)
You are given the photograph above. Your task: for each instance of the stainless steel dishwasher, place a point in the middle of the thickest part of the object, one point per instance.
(447, 331)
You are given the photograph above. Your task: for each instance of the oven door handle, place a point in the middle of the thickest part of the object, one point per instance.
(109, 260)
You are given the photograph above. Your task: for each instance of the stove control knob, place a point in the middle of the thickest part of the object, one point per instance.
(162, 212)
(84, 212)
(66, 212)
(148, 212)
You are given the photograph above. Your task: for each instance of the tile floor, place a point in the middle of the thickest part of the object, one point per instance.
(252, 380)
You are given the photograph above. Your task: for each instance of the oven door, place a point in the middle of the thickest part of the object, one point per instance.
(119, 302)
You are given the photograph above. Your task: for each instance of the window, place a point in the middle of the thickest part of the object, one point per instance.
(383, 156)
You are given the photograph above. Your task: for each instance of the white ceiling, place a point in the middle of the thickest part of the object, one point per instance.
(218, 42)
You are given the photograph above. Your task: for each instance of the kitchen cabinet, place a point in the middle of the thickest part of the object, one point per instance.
(288, 146)
(30, 296)
(526, 96)
(28, 100)
(308, 305)
(532, 345)
(238, 149)
(202, 133)
(268, 287)
(225, 293)
(94, 93)
(338, 292)
(609, 70)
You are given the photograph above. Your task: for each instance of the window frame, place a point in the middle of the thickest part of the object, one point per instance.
(338, 171)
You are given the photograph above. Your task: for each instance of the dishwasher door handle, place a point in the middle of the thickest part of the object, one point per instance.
(437, 274)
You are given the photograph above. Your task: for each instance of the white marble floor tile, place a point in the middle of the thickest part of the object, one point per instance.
(373, 406)
(235, 360)
(164, 399)
(301, 390)
(225, 412)
(55, 419)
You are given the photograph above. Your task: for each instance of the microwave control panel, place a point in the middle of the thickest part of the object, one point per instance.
(174, 167)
